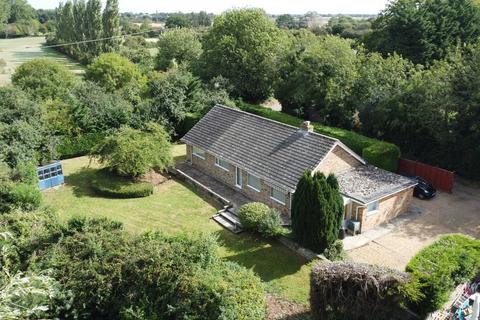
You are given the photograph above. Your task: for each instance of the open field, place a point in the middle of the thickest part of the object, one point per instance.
(19, 50)
(173, 208)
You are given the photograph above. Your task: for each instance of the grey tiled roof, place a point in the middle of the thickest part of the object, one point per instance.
(273, 151)
(366, 183)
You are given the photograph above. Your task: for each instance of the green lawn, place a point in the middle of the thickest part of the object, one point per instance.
(175, 207)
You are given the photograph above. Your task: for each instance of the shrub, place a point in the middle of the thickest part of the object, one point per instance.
(440, 267)
(335, 251)
(80, 145)
(340, 290)
(251, 214)
(354, 141)
(131, 152)
(271, 225)
(25, 196)
(109, 185)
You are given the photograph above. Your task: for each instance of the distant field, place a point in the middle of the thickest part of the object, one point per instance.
(19, 50)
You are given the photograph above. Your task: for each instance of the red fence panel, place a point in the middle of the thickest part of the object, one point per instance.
(440, 178)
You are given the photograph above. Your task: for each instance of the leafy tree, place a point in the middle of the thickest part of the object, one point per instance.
(178, 20)
(348, 27)
(317, 210)
(114, 72)
(285, 21)
(4, 13)
(111, 26)
(131, 152)
(425, 30)
(94, 25)
(242, 46)
(44, 78)
(317, 79)
(181, 46)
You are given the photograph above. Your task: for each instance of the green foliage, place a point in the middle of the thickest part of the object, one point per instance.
(440, 267)
(382, 155)
(353, 140)
(25, 196)
(251, 214)
(348, 27)
(131, 152)
(316, 78)
(108, 185)
(317, 211)
(413, 29)
(114, 72)
(111, 26)
(44, 78)
(270, 226)
(335, 251)
(74, 146)
(181, 46)
(242, 46)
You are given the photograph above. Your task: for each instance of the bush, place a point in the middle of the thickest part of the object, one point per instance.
(271, 225)
(340, 290)
(385, 156)
(25, 196)
(251, 214)
(440, 267)
(335, 251)
(108, 185)
(80, 145)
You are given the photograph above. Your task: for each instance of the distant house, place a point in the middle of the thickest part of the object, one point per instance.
(263, 160)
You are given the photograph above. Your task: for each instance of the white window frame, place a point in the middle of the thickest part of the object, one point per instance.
(198, 155)
(238, 173)
(253, 187)
(376, 205)
(218, 163)
(275, 199)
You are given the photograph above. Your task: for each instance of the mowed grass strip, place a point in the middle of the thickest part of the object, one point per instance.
(176, 207)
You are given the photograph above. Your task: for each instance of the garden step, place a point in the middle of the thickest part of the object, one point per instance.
(229, 215)
(224, 222)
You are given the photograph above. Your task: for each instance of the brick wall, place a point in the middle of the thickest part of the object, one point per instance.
(208, 166)
(337, 161)
(389, 208)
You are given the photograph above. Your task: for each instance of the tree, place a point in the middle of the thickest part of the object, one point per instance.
(317, 211)
(5, 14)
(132, 153)
(243, 46)
(425, 30)
(94, 27)
(114, 72)
(180, 46)
(178, 20)
(44, 79)
(111, 26)
(285, 21)
(317, 80)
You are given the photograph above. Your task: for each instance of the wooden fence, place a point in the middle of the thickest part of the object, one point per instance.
(440, 178)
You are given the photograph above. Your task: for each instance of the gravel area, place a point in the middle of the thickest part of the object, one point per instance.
(446, 213)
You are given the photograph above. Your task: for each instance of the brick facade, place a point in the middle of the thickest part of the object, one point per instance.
(336, 161)
(209, 166)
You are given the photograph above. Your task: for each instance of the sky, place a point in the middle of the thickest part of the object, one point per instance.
(217, 6)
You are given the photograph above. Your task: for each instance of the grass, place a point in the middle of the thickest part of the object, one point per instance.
(175, 207)
(19, 50)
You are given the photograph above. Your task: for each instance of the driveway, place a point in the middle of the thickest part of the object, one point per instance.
(446, 213)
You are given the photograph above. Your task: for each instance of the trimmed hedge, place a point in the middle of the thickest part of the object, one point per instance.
(379, 153)
(112, 186)
(440, 267)
(250, 215)
(81, 145)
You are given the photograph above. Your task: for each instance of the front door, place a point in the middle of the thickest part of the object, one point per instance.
(347, 211)
(238, 177)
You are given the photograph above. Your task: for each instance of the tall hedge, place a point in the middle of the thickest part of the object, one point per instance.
(379, 153)
(440, 267)
(340, 290)
(317, 210)
(74, 146)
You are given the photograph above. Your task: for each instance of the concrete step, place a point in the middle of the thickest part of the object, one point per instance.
(232, 217)
(224, 222)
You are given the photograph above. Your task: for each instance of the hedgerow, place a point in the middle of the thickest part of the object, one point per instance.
(379, 153)
(109, 185)
(74, 146)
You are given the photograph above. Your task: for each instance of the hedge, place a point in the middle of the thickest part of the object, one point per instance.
(440, 267)
(74, 146)
(379, 153)
(109, 185)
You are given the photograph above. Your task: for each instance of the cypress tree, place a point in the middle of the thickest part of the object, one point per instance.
(111, 26)
(317, 210)
(94, 28)
(79, 11)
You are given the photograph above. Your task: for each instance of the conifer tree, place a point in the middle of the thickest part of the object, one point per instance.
(317, 210)
(94, 27)
(79, 11)
(111, 26)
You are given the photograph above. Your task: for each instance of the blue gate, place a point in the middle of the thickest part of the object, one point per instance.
(50, 175)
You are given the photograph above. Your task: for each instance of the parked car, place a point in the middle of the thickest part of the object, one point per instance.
(423, 189)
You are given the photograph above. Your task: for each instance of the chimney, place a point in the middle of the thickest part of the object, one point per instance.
(306, 126)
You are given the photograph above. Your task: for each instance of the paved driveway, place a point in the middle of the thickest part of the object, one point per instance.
(446, 213)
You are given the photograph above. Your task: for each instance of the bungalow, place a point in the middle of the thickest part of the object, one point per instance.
(264, 159)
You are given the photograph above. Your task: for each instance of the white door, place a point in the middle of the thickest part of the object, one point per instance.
(238, 177)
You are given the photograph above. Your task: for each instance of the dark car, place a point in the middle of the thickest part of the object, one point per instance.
(423, 189)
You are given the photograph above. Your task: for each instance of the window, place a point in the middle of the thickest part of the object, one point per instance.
(372, 208)
(254, 182)
(238, 177)
(222, 164)
(199, 153)
(278, 195)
